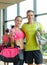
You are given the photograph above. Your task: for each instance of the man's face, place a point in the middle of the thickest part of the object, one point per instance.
(30, 16)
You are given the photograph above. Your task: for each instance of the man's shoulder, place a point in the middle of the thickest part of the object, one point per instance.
(38, 23)
(24, 24)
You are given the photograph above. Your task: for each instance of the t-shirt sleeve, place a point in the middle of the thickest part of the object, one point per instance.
(22, 27)
(40, 27)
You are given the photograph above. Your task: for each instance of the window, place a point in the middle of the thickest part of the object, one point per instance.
(24, 6)
(41, 6)
(43, 21)
(9, 24)
(11, 12)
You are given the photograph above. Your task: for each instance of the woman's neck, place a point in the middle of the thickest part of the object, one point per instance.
(16, 26)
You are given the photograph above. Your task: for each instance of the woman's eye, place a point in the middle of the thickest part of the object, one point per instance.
(17, 20)
(20, 21)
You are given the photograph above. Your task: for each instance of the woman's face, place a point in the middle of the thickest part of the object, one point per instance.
(18, 21)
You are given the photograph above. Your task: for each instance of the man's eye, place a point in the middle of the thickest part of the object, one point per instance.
(31, 15)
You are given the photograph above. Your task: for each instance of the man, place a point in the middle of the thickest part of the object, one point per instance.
(32, 51)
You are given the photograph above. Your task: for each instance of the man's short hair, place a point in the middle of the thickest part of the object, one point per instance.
(30, 11)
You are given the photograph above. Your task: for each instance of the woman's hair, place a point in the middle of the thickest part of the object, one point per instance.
(30, 11)
(17, 17)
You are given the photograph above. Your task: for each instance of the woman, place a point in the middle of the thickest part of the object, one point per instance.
(17, 36)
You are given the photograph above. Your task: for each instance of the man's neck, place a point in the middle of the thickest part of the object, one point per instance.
(30, 22)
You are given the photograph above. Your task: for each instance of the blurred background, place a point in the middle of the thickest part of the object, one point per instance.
(10, 9)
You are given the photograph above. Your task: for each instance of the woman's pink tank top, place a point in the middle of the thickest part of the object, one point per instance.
(17, 35)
